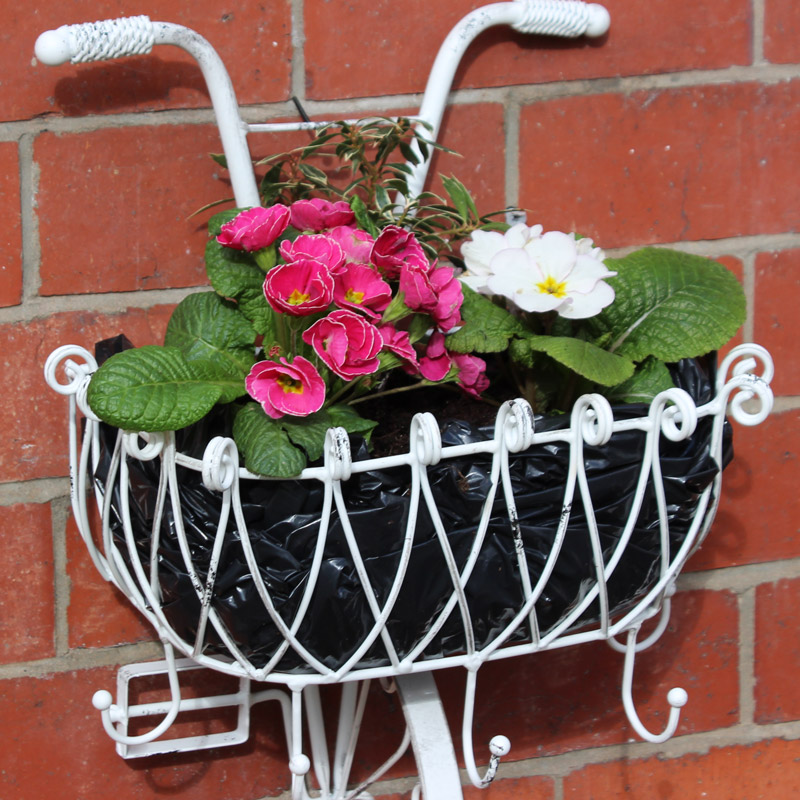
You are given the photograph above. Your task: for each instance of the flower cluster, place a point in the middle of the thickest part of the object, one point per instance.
(539, 271)
(327, 296)
(335, 283)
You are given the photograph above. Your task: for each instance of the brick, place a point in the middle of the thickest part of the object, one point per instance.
(777, 655)
(759, 509)
(33, 416)
(54, 716)
(254, 40)
(669, 37)
(26, 584)
(11, 240)
(776, 325)
(782, 31)
(567, 699)
(479, 168)
(763, 771)
(114, 216)
(659, 166)
(99, 615)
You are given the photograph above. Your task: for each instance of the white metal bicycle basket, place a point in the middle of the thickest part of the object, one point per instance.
(381, 568)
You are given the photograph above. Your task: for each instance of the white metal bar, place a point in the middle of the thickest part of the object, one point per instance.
(430, 737)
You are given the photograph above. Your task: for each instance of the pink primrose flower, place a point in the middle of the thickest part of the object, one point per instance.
(255, 228)
(318, 247)
(355, 243)
(360, 287)
(438, 361)
(347, 343)
(318, 214)
(435, 291)
(282, 388)
(397, 342)
(301, 288)
(471, 373)
(395, 248)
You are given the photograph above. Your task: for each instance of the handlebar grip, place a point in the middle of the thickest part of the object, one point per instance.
(96, 41)
(569, 18)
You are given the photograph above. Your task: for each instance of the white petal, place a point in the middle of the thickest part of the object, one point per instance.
(555, 254)
(477, 283)
(478, 251)
(520, 234)
(538, 301)
(586, 273)
(582, 306)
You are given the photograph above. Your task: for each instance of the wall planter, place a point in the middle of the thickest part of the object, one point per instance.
(473, 545)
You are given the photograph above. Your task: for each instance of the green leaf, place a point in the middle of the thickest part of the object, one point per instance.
(231, 272)
(206, 327)
(670, 305)
(650, 378)
(461, 198)
(154, 389)
(396, 310)
(264, 444)
(313, 173)
(308, 432)
(362, 216)
(585, 358)
(486, 327)
(254, 306)
(344, 416)
(382, 197)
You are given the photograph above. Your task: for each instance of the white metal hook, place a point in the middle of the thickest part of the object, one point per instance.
(676, 697)
(111, 714)
(499, 746)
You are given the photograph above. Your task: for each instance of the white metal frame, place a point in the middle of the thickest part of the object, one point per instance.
(742, 390)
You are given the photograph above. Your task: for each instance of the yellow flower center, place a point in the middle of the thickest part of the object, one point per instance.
(297, 297)
(352, 296)
(551, 286)
(290, 385)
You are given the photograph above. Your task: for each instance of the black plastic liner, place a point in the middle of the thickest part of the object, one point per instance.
(283, 519)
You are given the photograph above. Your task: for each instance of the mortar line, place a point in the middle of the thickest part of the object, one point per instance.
(758, 13)
(766, 74)
(747, 679)
(511, 125)
(61, 581)
(77, 660)
(31, 247)
(298, 72)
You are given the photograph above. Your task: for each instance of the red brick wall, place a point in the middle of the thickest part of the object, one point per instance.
(682, 126)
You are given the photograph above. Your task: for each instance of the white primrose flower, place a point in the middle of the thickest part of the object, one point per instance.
(479, 252)
(552, 272)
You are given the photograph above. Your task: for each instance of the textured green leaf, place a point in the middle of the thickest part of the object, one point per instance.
(264, 444)
(254, 306)
(670, 305)
(650, 378)
(206, 327)
(585, 358)
(486, 327)
(153, 389)
(308, 432)
(231, 272)
(344, 416)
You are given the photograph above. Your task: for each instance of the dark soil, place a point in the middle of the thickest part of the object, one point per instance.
(394, 414)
